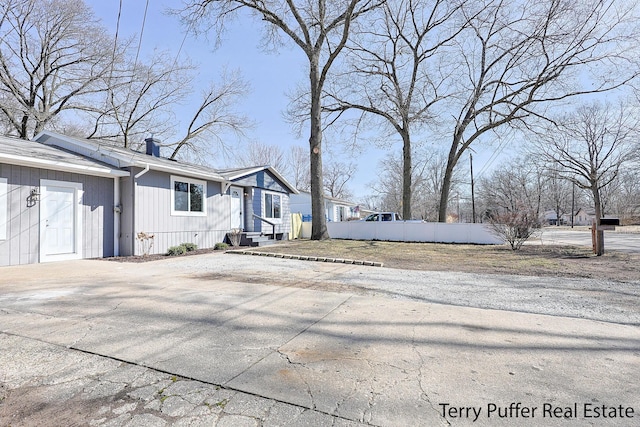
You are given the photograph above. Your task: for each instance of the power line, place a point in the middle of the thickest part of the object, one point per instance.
(144, 20)
(115, 39)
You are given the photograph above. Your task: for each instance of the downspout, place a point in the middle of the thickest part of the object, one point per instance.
(116, 216)
(135, 207)
(142, 172)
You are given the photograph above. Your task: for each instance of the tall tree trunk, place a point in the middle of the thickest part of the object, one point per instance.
(599, 243)
(406, 175)
(446, 184)
(318, 220)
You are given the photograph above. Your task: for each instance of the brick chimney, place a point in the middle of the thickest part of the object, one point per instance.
(153, 147)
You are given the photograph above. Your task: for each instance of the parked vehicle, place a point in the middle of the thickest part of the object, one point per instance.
(382, 216)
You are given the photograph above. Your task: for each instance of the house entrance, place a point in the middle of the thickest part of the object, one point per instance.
(59, 220)
(237, 207)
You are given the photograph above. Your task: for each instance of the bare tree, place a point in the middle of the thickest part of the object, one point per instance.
(257, 153)
(214, 114)
(590, 147)
(142, 98)
(428, 175)
(336, 177)
(512, 197)
(558, 192)
(625, 196)
(516, 58)
(320, 28)
(387, 186)
(139, 100)
(512, 187)
(298, 161)
(54, 57)
(394, 72)
(426, 182)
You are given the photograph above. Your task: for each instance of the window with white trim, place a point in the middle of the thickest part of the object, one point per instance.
(188, 196)
(272, 205)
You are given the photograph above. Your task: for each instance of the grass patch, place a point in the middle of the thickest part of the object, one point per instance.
(535, 260)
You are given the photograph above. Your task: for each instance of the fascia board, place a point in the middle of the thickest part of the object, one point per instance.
(61, 166)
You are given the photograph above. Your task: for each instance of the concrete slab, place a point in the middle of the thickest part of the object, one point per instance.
(392, 362)
(338, 356)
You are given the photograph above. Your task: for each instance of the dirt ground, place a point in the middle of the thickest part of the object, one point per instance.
(532, 260)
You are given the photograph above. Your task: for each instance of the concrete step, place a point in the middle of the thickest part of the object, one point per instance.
(256, 239)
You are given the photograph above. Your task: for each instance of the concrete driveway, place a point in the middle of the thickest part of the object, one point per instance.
(349, 342)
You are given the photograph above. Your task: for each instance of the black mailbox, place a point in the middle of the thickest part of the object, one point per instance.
(609, 221)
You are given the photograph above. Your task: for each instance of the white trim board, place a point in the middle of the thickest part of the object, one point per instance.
(78, 193)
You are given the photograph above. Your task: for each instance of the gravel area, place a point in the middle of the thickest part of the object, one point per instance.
(596, 299)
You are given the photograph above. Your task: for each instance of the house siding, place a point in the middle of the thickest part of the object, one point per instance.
(126, 216)
(152, 200)
(258, 208)
(264, 180)
(22, 243)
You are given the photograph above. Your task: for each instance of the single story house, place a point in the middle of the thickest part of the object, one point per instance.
(551, 218)
(54, 204)
(64, 198)
(582, 217)
(336, 210)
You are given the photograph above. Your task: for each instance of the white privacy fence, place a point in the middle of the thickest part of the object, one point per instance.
(405, 231)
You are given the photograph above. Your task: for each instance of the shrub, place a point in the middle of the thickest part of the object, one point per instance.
(220, 246)
(189, 246)
(514, 228)
(176, 250)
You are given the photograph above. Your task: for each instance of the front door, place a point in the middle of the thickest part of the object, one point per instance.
(59, 220)
(237, 207)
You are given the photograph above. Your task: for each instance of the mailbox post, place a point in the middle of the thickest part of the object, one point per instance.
(597, 232)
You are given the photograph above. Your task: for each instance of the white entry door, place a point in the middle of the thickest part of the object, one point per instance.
(237, 207)
(59, 220)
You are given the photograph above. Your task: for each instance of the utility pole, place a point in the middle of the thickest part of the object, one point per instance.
(573, 203)
(473, 199)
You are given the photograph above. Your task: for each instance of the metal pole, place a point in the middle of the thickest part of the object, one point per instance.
(573, 203)
(473, 199)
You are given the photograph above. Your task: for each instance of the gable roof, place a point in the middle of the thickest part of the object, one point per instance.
(118, 157)
(239, 173)
(34, 154)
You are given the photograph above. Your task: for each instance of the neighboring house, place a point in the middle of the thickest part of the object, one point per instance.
(54, 204)
(551, 218)
(107, 196)
(583, 217)
(336, 210)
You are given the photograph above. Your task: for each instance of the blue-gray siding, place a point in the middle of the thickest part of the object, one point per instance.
(263, 179)
(284, 226)
(22, 245)
(152, 215)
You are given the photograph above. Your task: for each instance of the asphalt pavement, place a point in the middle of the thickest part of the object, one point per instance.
(617, 240)
(225, 339)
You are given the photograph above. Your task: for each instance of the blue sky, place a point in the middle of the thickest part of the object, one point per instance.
(271, 74)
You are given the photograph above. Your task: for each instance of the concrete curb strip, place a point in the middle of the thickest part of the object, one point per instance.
(306, 258)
